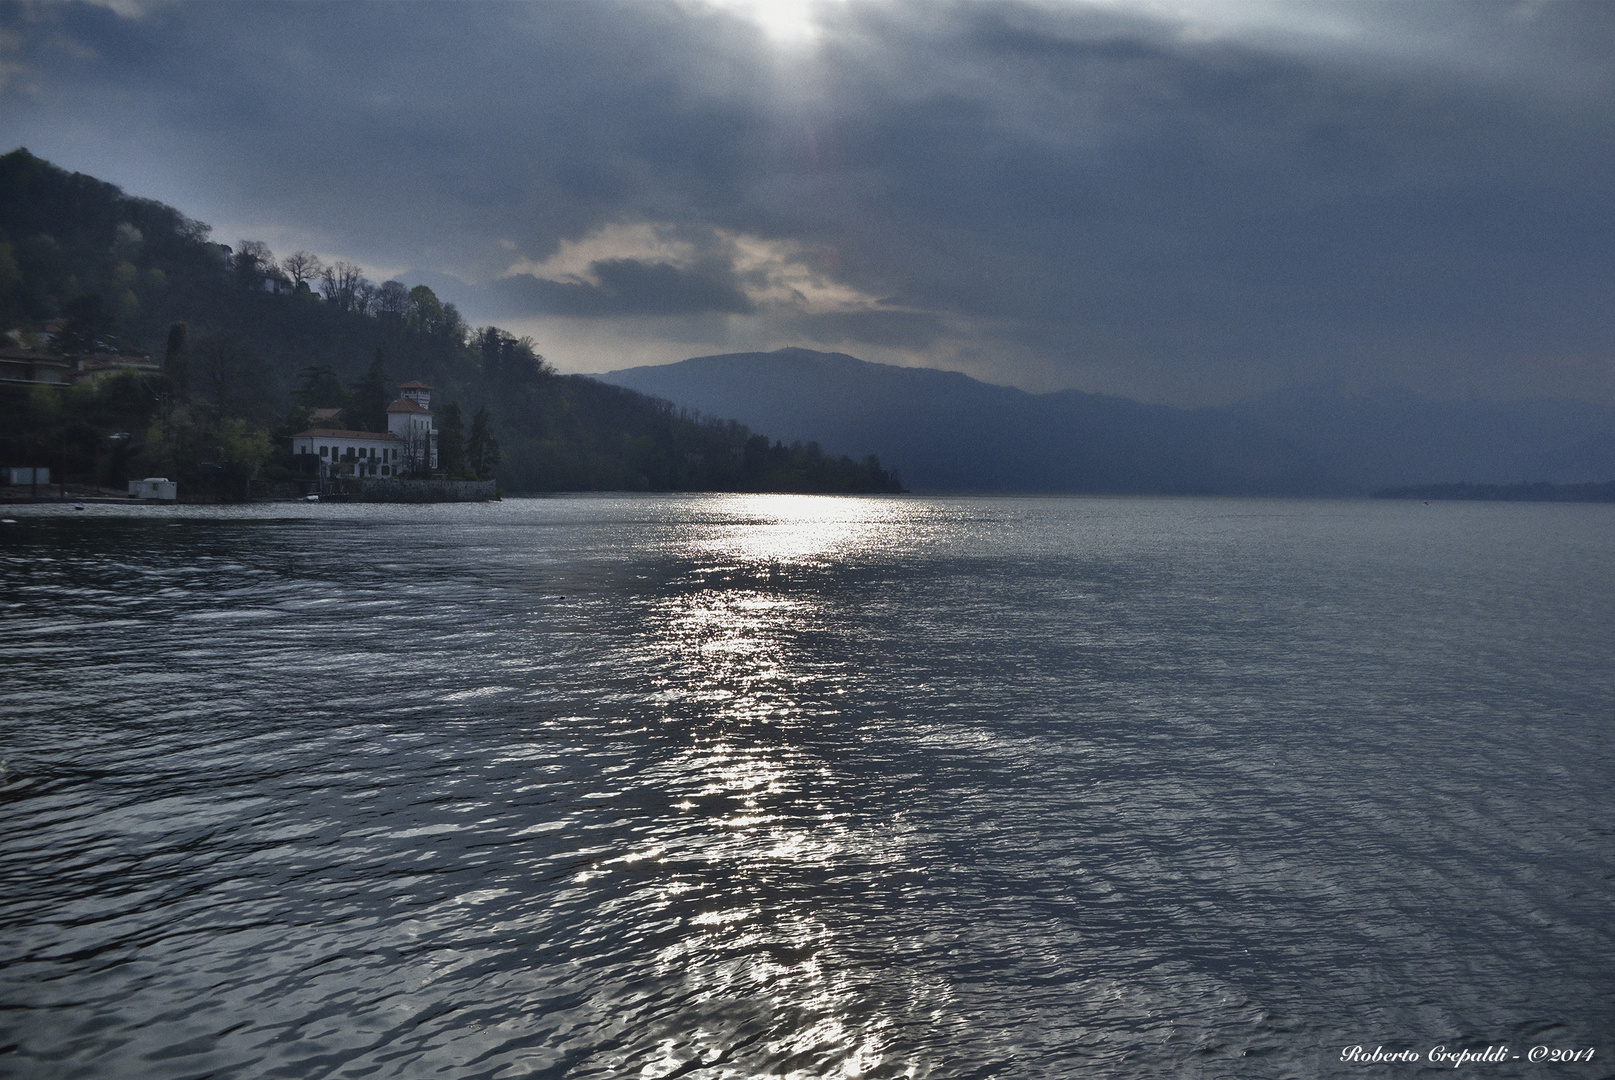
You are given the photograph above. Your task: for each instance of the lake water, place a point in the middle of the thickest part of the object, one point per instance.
(782, 786)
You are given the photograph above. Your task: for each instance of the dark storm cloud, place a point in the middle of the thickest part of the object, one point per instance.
(1106, 197)
(628, 287)
(1141, 167)
(418, 126)
(1111, 189)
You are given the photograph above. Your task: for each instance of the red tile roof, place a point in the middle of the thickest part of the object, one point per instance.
(406, 405)
(413, 386)
(333, 433)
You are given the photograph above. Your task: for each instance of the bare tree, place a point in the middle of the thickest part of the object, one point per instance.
(253, 260)
(339, 283)
(416, 452)
(302, 267)
(481, 448)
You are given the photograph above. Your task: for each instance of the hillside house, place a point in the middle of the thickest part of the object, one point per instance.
(93, 369)
(30, 367)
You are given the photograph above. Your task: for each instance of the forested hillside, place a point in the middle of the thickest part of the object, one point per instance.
(249, 343)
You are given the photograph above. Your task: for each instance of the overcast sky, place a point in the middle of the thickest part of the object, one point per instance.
(1117, 197)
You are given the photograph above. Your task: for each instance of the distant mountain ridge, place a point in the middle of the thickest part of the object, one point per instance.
(943, 430)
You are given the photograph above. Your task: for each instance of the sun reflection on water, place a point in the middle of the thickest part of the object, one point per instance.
(794, 529)
(748, 790)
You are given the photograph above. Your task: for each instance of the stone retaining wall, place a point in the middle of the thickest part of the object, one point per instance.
(427, 491)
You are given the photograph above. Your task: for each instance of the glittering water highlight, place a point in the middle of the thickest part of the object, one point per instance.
(803, 787)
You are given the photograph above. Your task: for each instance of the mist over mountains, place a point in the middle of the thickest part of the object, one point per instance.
(942, 430)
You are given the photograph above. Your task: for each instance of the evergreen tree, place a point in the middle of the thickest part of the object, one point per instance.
(481, 448)
(319, 388)
(425, 313)
(90, 327)
(367, 406)
(177, 360)
(451, 440)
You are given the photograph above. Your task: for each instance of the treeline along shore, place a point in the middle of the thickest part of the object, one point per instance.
(133, 345)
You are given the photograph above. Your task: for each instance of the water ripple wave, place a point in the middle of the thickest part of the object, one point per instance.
(802, 787)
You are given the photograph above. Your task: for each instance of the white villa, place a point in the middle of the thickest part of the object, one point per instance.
(409, 442)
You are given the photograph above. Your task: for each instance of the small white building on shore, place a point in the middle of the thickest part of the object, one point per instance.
(160, 488)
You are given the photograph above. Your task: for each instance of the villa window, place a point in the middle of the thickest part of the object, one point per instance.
(323, 449)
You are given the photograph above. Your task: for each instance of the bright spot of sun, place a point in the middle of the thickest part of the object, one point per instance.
(795, 528)
(786, 22)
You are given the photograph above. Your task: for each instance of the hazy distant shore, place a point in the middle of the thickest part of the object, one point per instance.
(1540, 492)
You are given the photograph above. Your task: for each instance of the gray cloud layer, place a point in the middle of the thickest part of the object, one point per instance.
(628, 287)
(1048, 194)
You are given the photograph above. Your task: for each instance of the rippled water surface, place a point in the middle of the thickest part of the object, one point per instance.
(810, 787)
